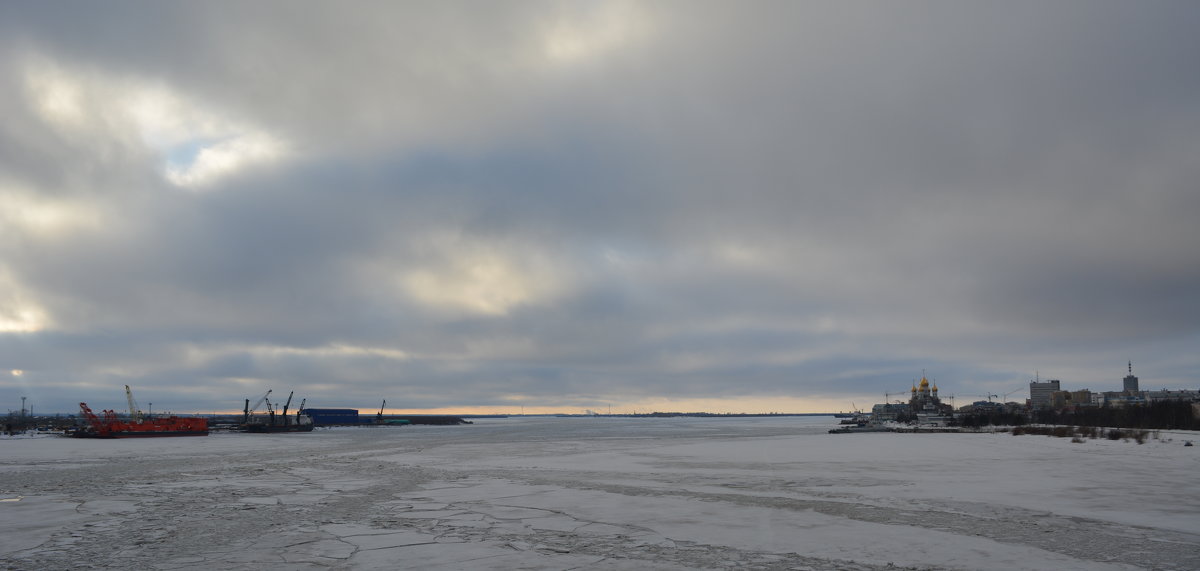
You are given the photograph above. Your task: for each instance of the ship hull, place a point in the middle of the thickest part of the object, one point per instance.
(153, 428)
(140, 434)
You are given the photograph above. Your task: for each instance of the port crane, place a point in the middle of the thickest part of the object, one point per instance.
(250, 409)
(288, 403)
(98, 425)
(1000, 398)
(102, 427)
(135, 414)
(379, 417)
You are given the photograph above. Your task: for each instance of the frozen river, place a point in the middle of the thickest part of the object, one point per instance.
(600, 493)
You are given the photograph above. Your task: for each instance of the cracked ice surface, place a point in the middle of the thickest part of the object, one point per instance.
(599, 493)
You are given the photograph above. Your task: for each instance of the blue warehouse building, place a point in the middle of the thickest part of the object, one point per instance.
(333, 416)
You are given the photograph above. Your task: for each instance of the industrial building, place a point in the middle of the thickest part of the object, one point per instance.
(889, 411)
(333, 416)
(1041, 394)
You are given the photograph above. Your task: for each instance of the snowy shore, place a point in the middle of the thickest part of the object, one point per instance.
(600, 493)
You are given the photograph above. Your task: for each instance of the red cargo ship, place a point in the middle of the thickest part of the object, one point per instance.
(113, 427)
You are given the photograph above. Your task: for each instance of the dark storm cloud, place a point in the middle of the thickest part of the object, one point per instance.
(575, 204)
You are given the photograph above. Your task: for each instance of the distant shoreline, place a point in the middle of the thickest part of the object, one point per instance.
(519, 415)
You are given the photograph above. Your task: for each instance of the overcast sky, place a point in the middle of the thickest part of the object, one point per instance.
(561, 206)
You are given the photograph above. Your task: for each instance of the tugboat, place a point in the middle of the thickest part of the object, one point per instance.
(138, 425)
(276, 422)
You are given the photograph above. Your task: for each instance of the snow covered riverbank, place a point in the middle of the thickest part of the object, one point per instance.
(600, 493)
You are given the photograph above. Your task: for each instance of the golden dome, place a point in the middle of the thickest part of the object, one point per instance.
(935, 387)
(924, 383)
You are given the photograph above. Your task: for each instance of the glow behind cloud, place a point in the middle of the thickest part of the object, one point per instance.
(591, 31)
(101, 109)
(225, 158)
(19, 313)
(474, 277)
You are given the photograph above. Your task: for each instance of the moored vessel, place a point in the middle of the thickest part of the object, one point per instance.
(112, 426)
(276, 421)
(300, 422)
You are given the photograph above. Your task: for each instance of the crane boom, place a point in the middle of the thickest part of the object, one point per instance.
(259, 403)
(135, 415)
(91, 418)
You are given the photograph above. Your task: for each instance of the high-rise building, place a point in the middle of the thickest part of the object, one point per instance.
(1131, 382)
(1041, 394)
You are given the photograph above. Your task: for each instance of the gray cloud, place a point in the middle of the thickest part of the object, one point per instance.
(561, 204)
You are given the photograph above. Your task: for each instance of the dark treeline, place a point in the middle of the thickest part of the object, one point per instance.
(1174, 415)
